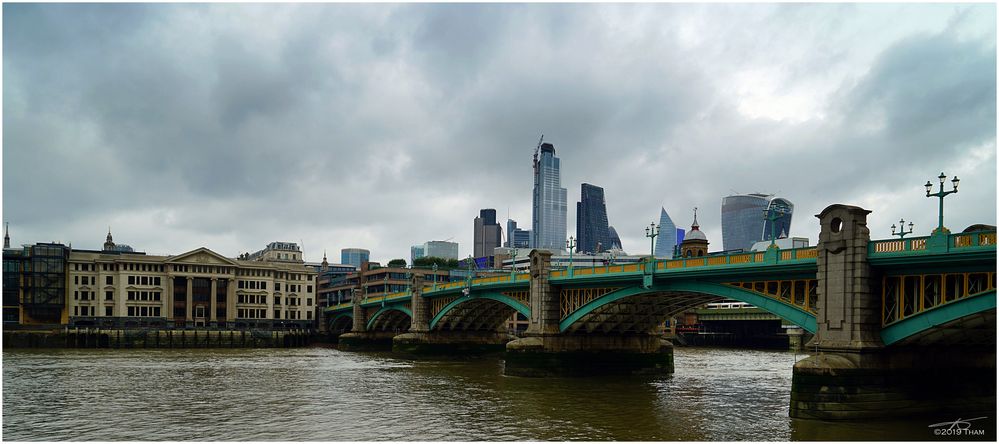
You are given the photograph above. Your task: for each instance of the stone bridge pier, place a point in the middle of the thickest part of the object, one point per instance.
(359, 338)
(851, 374)
(545, 350)
(421, 340)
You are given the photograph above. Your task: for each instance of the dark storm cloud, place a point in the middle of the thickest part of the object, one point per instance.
(382, 126)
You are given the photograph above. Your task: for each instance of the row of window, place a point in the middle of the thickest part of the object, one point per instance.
(251, 299)
(143, 295)
(91, 280)
(251, 313)
(141, 280)
(252, 285)
(84, 295)
(144, 311)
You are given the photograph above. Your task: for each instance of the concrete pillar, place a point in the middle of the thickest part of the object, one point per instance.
(213, 301)
(419, 306)
(230, 301)
(190, 304)
(360, 320)
(848, 313)
(544, 302)
(168, 299)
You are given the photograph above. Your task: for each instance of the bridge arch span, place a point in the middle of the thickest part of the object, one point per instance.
(970, 320)
(636, 309)
(390, 318)
(341, 323)
(478, 312)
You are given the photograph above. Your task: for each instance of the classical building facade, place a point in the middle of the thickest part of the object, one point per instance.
(200, 288)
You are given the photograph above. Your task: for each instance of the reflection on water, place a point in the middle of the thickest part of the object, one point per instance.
(329, 395)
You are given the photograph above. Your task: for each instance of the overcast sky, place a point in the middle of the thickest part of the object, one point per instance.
(383, 126)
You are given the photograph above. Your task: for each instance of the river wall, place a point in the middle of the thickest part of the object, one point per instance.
(127, 338)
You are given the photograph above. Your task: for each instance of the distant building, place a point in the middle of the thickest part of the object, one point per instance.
(549, 201)
(615, 240)
(441, 249)
(488, 234)
(666, 242)
(517, 238)
(415, 252)
(278, 252)
(744, 222)
(34, 284)
(592, 231)
(354, 256)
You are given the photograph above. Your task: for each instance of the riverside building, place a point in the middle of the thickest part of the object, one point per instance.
(200, 288)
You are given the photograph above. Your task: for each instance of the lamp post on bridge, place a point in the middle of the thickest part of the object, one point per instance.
(772, 215)
(901, 229)
(651, 232)
(513, 265)
(435, 275)
(570, 244)
(941, 194)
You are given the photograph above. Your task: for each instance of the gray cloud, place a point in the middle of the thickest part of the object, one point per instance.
(382, 126)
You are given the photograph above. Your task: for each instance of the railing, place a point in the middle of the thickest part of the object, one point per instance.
(919, 244)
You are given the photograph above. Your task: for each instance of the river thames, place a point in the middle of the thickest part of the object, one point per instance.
(309, 394)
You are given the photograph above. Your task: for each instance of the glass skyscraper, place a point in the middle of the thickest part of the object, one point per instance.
(548, 224)
(488, 234)
(354, 256)
(744, 219)
(592, 231)
(667, 236)
(615, 239)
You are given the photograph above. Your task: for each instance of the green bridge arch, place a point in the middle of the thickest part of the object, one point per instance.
(789, 312)
(936, 316)
(498, 297)
(388, 308)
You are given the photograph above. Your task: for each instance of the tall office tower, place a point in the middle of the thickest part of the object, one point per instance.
(592, 231)
(680, 232)
(488, 234)
(666, 244)
(354, 256)
(615, 240)
(548, 224)
(744, 219)
(511, 226)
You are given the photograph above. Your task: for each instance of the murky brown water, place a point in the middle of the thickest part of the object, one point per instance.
(324, 394)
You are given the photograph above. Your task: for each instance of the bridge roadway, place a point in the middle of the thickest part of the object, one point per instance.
(876, 309)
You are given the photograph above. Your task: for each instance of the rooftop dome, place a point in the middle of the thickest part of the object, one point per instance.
(695, 232)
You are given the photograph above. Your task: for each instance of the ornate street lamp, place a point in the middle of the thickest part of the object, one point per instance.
(901, 229)
(570, 244)
(435, 275)
(772, 215)
(513, 265)
(651, 232)
(941, 194)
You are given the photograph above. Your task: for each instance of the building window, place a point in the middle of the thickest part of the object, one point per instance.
(108, 311)
(109, 280)
(131, 311)
(156, 311)
(308, 289)
(108, 295)
(308, 301)
(277, 286)
(131, 280)
(156, 280)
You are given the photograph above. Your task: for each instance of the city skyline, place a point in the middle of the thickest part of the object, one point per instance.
(186, 126)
